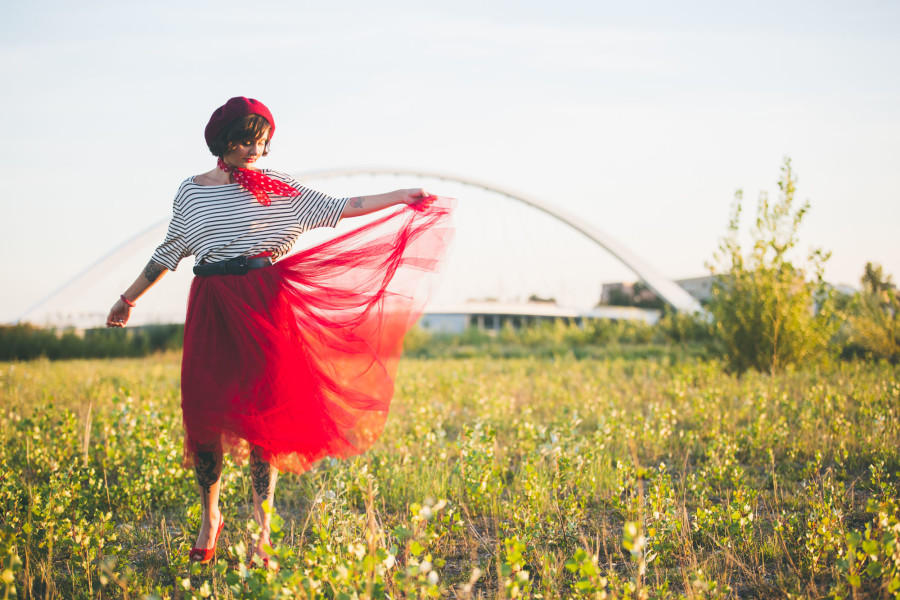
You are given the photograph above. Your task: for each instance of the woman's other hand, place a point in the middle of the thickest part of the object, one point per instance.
(118, 314)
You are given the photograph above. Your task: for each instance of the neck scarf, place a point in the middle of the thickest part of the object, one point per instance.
(258, 184)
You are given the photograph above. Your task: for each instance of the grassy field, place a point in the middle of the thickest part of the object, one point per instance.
(508, 478)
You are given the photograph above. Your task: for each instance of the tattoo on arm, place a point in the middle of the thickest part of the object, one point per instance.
(356, 202)
(260, 475)
(152, 271)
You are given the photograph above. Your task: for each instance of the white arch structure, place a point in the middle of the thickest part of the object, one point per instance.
(666, 289)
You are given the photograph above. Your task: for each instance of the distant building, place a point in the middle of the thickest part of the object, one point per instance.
(493, 316)
(628, 294)
(623, 293)
(698, 287)
(623, 313)
(611, 292)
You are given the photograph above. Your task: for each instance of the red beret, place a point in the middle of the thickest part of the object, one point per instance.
(235, 109)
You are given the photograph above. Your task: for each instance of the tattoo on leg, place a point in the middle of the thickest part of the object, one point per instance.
(260, 475)
(356, 202)
(152, 271)
(206, 471)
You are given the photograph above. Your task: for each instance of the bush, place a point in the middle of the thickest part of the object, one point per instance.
(25, 342)
(874, 319)
(767, 315)
(682, 327)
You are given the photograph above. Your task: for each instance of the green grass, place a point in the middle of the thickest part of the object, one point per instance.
(526, 477)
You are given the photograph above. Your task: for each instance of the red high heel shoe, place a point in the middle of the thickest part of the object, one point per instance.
(204, 555)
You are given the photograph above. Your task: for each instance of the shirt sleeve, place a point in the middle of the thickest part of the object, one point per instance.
(174, 248)
(315, 209)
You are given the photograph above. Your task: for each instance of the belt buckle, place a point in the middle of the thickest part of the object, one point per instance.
(237, 266)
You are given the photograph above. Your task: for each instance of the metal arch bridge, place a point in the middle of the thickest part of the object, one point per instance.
(666, 289)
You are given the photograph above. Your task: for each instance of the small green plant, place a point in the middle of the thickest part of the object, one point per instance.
(589, 582)
(663, 523)
(515, 578)
(10, 563)
(477, 466)
(708, 589)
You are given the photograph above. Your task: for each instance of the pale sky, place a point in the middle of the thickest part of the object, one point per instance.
(642, 118)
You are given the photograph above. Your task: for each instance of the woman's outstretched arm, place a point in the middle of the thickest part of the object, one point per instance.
(364, 205)
(120, 312)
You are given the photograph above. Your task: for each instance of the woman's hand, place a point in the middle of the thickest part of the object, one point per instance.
(118, 314)
(417, 198)
(121, 310)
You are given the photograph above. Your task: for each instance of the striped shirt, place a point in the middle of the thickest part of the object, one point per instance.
(218, 222)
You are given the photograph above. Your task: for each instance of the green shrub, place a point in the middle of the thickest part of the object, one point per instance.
(768, 315)
(874, 319)
(25, 341)
(681, 327)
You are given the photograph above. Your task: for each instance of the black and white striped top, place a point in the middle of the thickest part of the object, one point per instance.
(218, 222)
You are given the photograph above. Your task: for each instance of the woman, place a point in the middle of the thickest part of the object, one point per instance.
(285, 361)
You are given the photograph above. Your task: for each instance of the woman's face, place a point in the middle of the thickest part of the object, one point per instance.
(246, 153)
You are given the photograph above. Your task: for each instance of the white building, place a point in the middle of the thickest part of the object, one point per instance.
(495, 315)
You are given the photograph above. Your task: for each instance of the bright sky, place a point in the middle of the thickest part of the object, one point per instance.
(643, 118)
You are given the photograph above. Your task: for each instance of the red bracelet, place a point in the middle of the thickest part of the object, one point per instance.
(127, 301)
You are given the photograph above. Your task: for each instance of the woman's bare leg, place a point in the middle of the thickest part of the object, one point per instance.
(208, 470)
(263, 477)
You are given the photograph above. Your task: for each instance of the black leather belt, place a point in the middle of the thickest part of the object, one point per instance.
(233, 266)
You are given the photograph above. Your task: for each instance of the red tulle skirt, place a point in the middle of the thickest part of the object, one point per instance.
(298, 359)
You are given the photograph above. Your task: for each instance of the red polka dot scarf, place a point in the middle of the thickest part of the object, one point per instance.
(258, 184)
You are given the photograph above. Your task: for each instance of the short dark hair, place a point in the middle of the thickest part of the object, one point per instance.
(248, 127)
